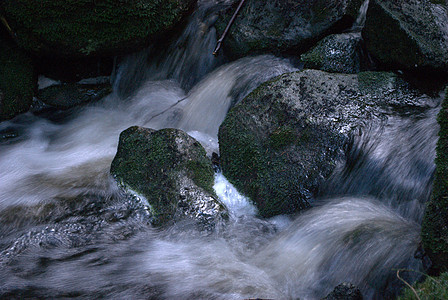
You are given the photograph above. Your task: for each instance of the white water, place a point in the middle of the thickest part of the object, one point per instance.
(67, 231)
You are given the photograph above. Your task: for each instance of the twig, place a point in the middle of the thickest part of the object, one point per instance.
(410, 286)
(218, 44)
(170, 107)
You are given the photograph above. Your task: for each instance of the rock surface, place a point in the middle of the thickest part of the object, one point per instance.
(283, 140)
(284, 25)
(170, 170)
(408, 34)
(435, 222)
(68, 95)
(85, 28)
(17, 81)
(337, 53)
(345, 291)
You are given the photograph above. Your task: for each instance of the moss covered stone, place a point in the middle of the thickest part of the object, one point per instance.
(284, 26)
(17, 81)
(435, 222)
(170, 170)
(81, 28)
(407, 34)
(285, 138)
(338, 53)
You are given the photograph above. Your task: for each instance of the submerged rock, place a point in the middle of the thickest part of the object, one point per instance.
(282, 25)
(283, 140)
(68, 95)
(337, 53)
(408, 34)
(170, 170)
(17, 81)
(345, 291)
(435, 221)
(80, 28)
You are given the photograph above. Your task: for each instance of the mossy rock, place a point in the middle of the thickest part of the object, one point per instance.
(337, 53)
(17, 81)
(408, 34)
(170, 170)
(282, 141)
(284, 26)
(435, 221)
(83, 28)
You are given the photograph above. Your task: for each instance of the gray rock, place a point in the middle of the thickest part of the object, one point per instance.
(283, 25)
(68, 95)
(283, 140)
(408, 34)
(337, 53)
(170, 170)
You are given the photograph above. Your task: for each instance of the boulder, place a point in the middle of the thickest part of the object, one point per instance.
(17, 81)
(170, 170)
(345, 291)
(284, 25)
(68, 95)
(408, 34)
(87, 28)
(337, 53)
(284, 139)
(435, 221)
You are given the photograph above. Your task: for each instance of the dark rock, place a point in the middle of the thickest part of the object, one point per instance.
(284, 25)
(345, 291)
(337, 53)
(170, 170)
(17, 81)
(283, 140)
(80, 28)
(408, 34)
(435, 221)
(68, 95)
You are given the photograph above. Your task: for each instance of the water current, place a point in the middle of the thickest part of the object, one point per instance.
(67, 230)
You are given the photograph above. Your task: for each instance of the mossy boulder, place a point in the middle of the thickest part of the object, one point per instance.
(17, 81)
(170, 170)
(83, 28)
(435, 221)
(337, 53)
(282, 141)
(408, 34)
(284, 25)
(68, 95)
(345, 291)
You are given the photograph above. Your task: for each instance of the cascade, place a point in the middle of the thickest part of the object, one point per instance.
(359, 232)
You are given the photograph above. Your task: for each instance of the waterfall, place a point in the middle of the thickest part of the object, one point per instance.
(66, 230)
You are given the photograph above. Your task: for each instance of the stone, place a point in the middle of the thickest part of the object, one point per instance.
(407, 34)
(282, 141)
(170, 170)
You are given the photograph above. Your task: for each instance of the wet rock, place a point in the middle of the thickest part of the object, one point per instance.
(17, 81)
(79, 28)
(408, 34)
(435, 221)
(283, 25)
(283, 140)
(337, 53)
(68, 95)
(345, 291)
(170, 170)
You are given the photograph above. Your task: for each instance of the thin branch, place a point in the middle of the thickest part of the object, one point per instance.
(410, 286)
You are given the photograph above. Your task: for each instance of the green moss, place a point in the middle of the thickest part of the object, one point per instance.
(435, 222)
(431, 288)
(17, 81)
(282, 137)
(201, 171)
(84, 27)
(372, 81)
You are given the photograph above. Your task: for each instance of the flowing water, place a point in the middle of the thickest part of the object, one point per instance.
(66, 230)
